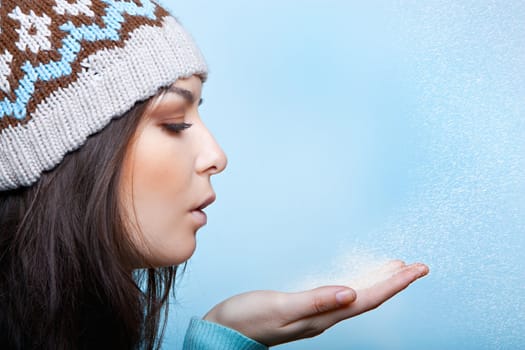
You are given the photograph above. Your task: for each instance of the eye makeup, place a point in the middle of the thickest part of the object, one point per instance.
(176, 127)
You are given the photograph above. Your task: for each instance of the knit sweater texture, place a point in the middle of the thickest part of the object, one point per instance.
(205, 335)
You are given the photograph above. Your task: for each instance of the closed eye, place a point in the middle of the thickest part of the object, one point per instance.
(176, 127)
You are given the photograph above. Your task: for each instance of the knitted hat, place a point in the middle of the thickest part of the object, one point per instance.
(67, 67)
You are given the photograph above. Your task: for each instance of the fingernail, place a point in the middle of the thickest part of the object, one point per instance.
(345, 297)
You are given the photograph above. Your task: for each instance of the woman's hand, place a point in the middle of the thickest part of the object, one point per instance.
(274, 318)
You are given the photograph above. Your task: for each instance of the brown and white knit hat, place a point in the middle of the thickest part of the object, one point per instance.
(67, 67)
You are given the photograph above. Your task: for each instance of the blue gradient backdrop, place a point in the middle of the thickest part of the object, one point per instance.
(393, 127)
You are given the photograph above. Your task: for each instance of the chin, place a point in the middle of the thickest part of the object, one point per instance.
(179, 255)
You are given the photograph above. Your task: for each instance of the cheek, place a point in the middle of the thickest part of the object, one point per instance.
(160, 178)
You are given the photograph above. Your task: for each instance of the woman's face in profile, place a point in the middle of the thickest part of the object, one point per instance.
(166, 175)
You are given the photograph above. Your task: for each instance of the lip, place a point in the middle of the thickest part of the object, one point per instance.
(200, 217)
(198, 214)
(209, 200)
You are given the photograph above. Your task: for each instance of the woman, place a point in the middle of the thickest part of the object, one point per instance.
(105, 170)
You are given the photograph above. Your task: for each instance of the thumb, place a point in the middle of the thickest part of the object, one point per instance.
(319, 300)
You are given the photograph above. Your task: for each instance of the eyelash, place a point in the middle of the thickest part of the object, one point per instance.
(177, 128)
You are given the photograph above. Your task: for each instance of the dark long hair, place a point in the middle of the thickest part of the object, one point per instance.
(66, 277)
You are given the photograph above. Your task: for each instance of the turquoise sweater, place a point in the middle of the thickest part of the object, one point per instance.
(204, 335)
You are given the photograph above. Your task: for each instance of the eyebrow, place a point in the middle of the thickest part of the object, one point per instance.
(186, 94)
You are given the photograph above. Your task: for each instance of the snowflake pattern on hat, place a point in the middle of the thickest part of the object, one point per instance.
(34, 30)
(81, 6)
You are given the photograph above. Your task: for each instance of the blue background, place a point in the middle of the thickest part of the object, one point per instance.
(393, 129)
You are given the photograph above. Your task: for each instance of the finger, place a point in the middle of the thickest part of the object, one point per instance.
(376, 295)
(392, 267)
(377, 275)
(370, 298)
(317, 301)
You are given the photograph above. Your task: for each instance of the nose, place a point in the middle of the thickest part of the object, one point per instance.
(211, 159)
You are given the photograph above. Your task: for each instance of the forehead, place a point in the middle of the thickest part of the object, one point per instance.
(193, 84)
